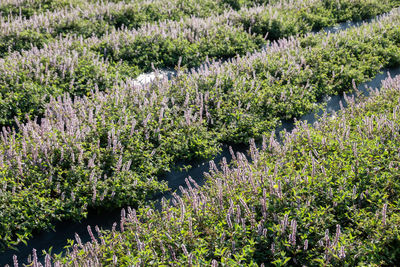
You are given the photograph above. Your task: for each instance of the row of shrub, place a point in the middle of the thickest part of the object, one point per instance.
(164, 45)
(27, 8)
(99, 18)
(102, 152)
(107, 149)
(249, 94)
(74, 65)
(29, 79)
(327, 196)
(96, 19)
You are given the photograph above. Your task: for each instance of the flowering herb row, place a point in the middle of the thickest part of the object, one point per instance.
(73, 64)
(329, 195)
(96, 19)
(250, 94)
(106, 150)
(102, 152)
(165, 44)
(27, 8)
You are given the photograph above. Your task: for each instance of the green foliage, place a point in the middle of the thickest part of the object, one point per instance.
(106, 144)
(30, 90)
(222, 40)
(110, 155)
(133, 15)
(31, 7)
(248, 96)
(327, 196)
(147, 52)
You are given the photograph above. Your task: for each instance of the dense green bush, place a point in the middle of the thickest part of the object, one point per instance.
(357, 10)
(51, 72)
(327, 196)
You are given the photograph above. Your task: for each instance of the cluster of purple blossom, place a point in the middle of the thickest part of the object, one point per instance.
(78, 135)
(96, 140)
(56, 64)
(236, 208)
(62, 54)
(193, 29)
(53, 62)
(103, 10)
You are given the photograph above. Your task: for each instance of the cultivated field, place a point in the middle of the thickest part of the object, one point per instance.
(83, 133)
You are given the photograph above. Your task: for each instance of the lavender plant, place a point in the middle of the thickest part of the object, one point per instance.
(97, 153)
(250, 94)
(29, 79)
(327, 195)
(27, 8)
(278, 18)
(18, 33)
(166, 44)
(107, 149)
